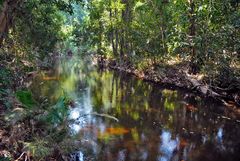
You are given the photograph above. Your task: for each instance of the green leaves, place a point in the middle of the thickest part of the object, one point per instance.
(5, 158)
(139, 5)
(58, 112)
(25, 97)
(5, 76)
(38, 148)
(1, 3)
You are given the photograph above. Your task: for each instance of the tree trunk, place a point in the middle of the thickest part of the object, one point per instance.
(116, 41)
(100, 37)
(6, 17)
(163, 30)
(4, 22)
(112, 31)
(194, 68)
(127, 18)
(122, 42)
(116, 33)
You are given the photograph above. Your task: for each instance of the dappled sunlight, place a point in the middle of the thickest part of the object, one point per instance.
(174, 60)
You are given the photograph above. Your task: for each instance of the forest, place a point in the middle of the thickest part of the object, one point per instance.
(120, 80)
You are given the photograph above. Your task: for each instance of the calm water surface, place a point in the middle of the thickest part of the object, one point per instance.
(117, 117)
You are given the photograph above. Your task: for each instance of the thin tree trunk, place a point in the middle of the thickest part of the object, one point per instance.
(100, 39)
(163, 30)
(126, 18)
(192, 29)
(112, 31)
(116, 34)
(4, 22)
(116, 41)
(122, 45)
(6, 17)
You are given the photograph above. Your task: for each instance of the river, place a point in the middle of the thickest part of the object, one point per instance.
(116, 117)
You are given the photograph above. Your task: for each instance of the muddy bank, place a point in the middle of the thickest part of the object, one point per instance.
(177, 76)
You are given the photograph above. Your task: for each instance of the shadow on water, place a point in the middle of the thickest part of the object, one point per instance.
(152, 123)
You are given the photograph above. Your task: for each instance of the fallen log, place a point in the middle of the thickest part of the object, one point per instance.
(206, 90)
(203, 88)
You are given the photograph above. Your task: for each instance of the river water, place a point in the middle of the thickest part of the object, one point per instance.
(116, 117)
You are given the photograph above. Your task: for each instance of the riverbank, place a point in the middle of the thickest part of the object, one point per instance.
(177, 75)
(13, 76)
(23, 119)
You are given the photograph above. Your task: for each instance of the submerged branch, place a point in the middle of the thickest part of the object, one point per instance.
(102, 115)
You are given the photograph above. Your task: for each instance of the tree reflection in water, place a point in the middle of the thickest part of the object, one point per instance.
(155, 123)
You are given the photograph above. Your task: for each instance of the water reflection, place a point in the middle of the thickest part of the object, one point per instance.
(154, 123)
(220, 135)
(78, 156)
(167, 146)
(81, 112)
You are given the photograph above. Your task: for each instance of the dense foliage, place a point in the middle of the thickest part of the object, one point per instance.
(33, 25)
(205, 32)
